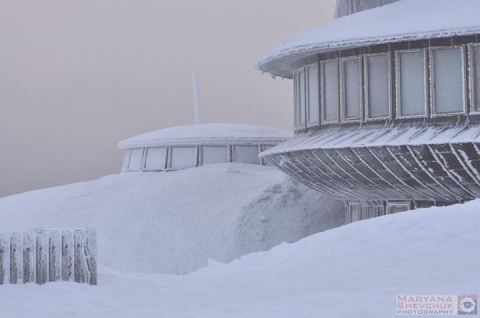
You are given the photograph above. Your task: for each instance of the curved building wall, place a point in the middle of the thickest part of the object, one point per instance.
(389, 127)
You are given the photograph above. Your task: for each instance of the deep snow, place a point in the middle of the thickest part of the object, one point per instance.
(174, 222)
(352, 271)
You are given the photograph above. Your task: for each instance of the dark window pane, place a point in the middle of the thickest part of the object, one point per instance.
(412, 83)
(353, 86)
(448, 81)
(330, 90)
(313, 99)
(378, 86)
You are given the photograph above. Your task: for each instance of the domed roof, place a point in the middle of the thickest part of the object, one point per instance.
(207, 134)
(405, 20)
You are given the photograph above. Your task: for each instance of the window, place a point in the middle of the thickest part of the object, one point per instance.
(313, 95)
(183, 157)
(155, 159)
(411, 83)
(246, 154)
(396, 207)
(378, 99)
(136, 156)
(300, 116)
(351, 80)
(330, 99)
(353, 212)
(214, 154)
(474, 55)
(447, 80)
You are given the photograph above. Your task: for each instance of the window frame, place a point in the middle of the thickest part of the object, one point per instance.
(307, 96)
(343, 92)
(391, 204)
(171, 157)
(398, 81)
(201, 153)
(142, 160)
(145, 153)
(431, 52)
(350, 204)
(298, 98)
(366, 86)
(322, 92)
(126, 159)
(471, 78)
(234, 148)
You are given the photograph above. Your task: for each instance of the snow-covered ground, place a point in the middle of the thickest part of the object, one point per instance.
(352, 271)
(174, 222)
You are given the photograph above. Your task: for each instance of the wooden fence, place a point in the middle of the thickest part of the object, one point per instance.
(41, 256)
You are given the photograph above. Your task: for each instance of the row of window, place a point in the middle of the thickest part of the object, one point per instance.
(357, 211)
(172, 158)
(428, 82)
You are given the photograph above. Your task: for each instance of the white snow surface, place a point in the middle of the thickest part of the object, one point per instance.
(174, 222)
(405, 20)
(353, 271)
(207, 134)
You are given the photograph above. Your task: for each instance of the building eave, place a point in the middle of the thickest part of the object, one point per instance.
(407, 20)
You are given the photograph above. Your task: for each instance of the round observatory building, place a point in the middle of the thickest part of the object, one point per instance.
(196, 145)
(387, 104)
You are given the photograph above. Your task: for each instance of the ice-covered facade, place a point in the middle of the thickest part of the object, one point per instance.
(196, 145)
(387, 105)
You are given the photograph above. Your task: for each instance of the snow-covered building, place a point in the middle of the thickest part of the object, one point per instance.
(196, 145)
(387, 104)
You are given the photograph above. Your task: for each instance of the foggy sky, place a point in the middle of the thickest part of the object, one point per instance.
(78, 76)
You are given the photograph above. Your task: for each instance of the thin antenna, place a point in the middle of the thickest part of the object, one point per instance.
(196, 96)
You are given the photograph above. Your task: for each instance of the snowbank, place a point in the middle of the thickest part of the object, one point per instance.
(352, 271)
(175, 222)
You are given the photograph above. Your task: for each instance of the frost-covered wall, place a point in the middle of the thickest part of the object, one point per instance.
(347, 7)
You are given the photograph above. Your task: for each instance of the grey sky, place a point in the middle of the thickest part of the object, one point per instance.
(78, 76)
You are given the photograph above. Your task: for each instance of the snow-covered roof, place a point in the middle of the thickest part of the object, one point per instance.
(207, 134)
(372, 136)
(405, 20)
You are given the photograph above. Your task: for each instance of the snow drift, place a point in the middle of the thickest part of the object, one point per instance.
(352, 271)
(174, 222)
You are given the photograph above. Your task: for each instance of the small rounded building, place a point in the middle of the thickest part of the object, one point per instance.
(387, 105)
(196, 145)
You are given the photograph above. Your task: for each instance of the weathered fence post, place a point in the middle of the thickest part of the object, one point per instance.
(16, 258)
(29, 259)
(4, 258)
(42, 256)
(54, 256)
(67, 256)
(79, 260)
(91, 254)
